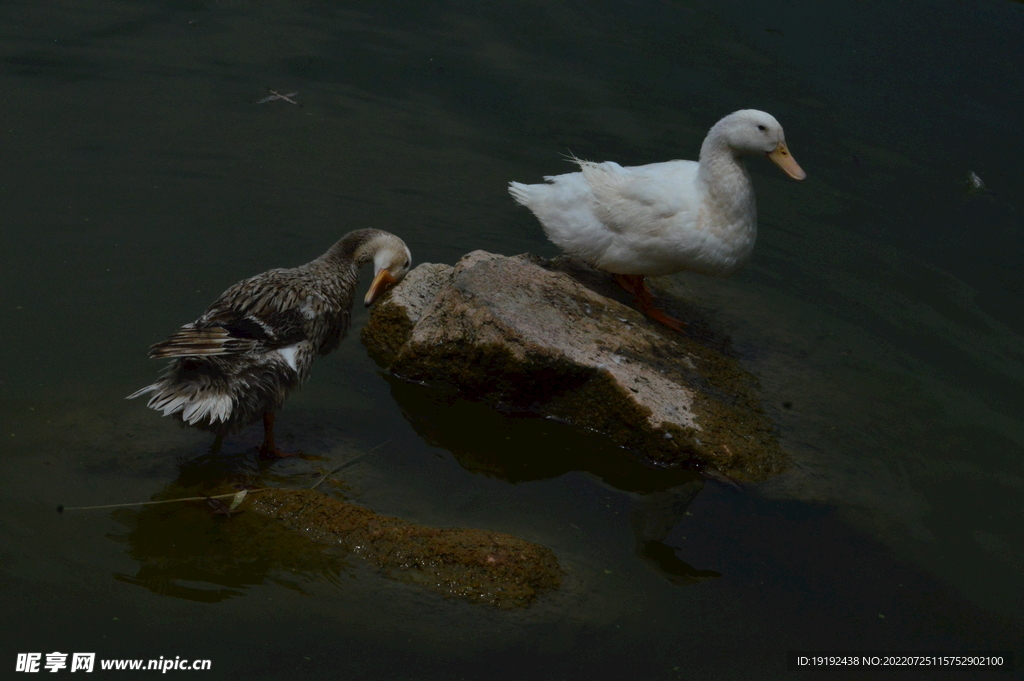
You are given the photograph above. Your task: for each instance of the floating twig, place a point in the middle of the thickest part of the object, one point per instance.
(275, 95)
(347, 463)
(237, 495)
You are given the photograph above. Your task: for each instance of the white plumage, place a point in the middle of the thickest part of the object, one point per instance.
(663, 218)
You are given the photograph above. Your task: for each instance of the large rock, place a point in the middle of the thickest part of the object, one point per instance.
(537, 335)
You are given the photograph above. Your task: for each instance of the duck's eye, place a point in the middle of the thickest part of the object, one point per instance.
(761, 128)
(406, 265)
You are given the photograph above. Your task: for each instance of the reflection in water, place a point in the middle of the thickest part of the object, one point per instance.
(186, 550)
(880, 312)
(653, 519)
(519, 446)
(522, 448)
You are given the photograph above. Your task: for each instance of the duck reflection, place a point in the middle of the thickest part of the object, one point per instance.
(517, 446)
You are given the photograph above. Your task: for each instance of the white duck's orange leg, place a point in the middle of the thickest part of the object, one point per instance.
(635, 285)
(632, 283)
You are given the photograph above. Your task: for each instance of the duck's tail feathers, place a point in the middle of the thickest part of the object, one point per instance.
(194, 403)
(139, 393)
(530, 195)
(520, 192)
(188, 341)
(573, 158)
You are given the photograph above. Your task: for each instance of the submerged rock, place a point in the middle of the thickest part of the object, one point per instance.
(209, 551)
(544, 336)
(484, 567)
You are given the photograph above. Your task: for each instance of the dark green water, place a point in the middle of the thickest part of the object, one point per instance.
(883, 305)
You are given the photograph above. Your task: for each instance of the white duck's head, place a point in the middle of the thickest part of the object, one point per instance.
(391, 262)
(752, 132)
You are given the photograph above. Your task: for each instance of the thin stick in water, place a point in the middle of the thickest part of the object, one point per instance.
(347, 463)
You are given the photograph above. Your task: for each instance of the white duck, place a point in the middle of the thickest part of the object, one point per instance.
(666, 217)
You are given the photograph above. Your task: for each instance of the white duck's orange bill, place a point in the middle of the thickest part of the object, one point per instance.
(784, 160)
(381, 283)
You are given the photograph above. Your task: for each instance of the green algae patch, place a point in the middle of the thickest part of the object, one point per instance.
(736, 436)
(480, 566)
(397, 312)
(386, 333)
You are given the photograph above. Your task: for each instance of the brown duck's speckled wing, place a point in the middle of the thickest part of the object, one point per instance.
(266, 312)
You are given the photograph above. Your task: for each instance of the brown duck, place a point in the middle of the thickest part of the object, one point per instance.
(256, 344)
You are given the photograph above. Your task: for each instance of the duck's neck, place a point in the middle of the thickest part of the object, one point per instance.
(724, 179)
(354, 249)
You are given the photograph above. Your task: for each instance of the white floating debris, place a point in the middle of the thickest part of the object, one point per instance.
(236, 500)
(974, 182)
(275, 95)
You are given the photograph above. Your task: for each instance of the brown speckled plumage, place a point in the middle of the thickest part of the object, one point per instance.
(256, 344)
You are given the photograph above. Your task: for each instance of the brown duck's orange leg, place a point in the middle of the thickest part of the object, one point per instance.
(634, 284)
(268, 450)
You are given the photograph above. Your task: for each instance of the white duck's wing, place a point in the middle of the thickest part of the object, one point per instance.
(642, 201)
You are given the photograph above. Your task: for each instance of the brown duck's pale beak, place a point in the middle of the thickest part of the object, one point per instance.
(784, 160)
(381, 283)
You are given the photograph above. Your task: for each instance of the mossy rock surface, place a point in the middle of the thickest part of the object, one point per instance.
(484, 567)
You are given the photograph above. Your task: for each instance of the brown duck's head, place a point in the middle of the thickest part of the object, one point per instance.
(391, 262)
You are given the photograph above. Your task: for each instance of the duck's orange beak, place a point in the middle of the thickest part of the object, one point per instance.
(784, 160)
(381, 283)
